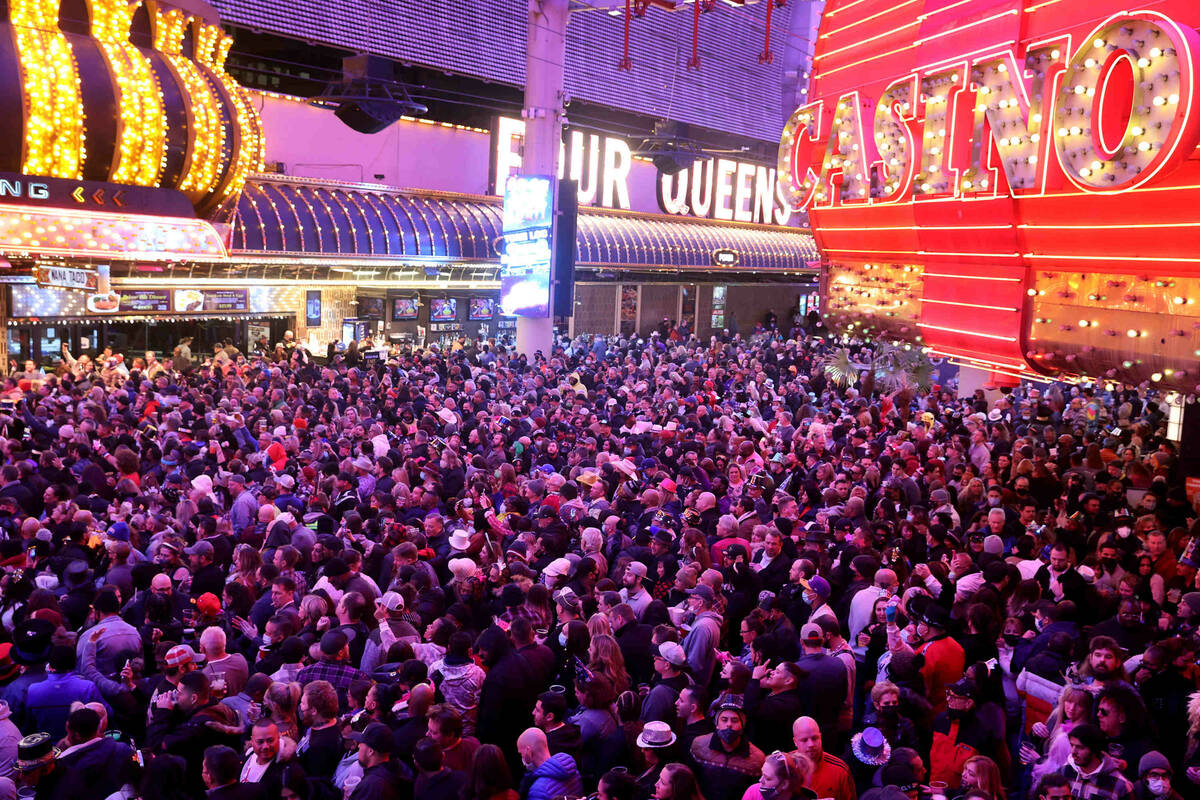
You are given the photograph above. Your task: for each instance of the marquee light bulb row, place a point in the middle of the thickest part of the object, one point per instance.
(224, 132)
(141, 141)
(206, 157)
(888, 292)
(54, 122)
(1125, 112)
(250, 154)
(1094, 147)
(50, 231)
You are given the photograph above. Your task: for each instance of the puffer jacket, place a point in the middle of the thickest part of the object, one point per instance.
(554, 777)
(459, 684)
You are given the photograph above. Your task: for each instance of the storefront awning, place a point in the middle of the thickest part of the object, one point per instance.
(288, 216)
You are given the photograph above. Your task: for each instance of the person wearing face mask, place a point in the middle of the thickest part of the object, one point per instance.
(816, 597)
(1154, 778)
(959, 734)
(781, 779)
(945, 658)
(888, 716)
(726, 761)
(1109, 569)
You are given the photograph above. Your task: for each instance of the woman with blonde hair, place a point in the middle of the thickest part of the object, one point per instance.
(783, 776)
(599, 625)
(246, 561)
(280, 704)
(1074, 707)
(605, 658)
(981, 776)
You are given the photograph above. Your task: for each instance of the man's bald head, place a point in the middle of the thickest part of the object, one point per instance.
(886, 579)
(161, 582)
(806, 733)
(420, 699)
(533, 747)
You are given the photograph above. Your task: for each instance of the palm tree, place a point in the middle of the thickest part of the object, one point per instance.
(904, 372)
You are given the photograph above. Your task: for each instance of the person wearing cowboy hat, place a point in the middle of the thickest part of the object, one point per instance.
(656, 741)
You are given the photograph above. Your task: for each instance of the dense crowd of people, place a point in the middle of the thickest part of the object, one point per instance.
(661, 568)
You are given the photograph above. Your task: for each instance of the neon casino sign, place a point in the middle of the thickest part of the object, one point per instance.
(1123, 113)
(963, 154)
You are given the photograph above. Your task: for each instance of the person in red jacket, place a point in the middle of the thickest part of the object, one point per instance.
(959, 734)
(944, 657)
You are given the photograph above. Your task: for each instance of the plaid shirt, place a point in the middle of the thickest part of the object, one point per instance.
(339, 674)
(1106, 783)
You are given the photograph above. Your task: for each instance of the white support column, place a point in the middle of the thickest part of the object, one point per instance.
(544, 55)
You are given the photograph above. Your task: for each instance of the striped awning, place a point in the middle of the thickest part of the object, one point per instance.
(288, 216)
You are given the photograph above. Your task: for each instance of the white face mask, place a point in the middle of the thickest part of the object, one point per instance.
(1157, 786)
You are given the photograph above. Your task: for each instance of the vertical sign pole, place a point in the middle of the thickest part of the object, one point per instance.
(544, 55)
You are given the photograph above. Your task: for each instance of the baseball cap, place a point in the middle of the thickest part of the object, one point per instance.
(391, 601)
(376, 736)
(208, 604)
(963, 687)
(200, 548)
(812, 630)
(637, 568)
(182, 654)
(703, 591)
(817, 584)
(333, 642)
(567, 598)
(673, 653)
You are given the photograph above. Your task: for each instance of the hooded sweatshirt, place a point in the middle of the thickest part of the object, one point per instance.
(461, 680)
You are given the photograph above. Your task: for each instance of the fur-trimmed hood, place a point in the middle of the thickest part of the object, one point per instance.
(1194, 714)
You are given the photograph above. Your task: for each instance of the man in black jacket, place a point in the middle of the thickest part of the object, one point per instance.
(220, 771)
(94, 761)
(383, 778)
(635, 640)
(773, 703)
(320, 749)
(507, 695)
(179, 724)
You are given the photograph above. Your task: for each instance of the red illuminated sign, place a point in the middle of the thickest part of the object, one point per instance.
(1008, 183)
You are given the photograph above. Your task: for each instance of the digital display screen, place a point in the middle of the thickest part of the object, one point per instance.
(312, 308)
(404, 308)
(443, 309)
(482, 308)
(370, 307)
(526, 257)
